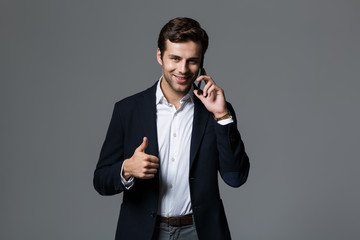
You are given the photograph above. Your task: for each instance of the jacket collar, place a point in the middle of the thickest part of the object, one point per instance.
(161, 98)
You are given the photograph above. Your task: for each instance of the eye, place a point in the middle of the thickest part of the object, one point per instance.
(193, 61)
(175, 58)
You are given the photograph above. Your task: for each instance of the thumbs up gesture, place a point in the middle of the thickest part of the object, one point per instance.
(141, 165)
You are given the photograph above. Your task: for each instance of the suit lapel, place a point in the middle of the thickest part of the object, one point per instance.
(201, 117)
(148, 120)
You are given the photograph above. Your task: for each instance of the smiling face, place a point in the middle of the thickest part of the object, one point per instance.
(180, 66)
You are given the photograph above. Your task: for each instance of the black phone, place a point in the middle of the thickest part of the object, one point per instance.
(201, 72)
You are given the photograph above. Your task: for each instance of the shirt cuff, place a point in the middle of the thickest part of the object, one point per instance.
(226, 121)
(128, 184)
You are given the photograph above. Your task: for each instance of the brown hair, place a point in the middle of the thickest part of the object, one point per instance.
(182, 29)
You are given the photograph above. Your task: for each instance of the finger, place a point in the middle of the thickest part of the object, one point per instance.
(150, 171)
(148, 176)
(206, 88)
(199, 95)
(151, 165)
(153, 159)
(211, 90)
(143, 145)
(203, 78)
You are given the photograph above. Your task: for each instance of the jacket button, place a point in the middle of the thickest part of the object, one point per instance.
(153, 214)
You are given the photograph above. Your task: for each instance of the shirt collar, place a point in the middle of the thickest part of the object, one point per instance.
(160, 98)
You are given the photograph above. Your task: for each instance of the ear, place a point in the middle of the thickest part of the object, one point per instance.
(158, 57)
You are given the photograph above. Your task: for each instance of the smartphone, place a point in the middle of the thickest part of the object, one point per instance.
(201, 72)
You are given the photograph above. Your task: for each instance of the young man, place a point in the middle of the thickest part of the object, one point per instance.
(165, 146)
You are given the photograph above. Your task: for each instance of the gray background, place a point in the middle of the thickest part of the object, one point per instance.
(290, 68)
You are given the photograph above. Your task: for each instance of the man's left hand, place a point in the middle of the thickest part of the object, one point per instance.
(212, 96)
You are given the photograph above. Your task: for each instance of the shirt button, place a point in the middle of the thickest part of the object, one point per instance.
(173, 159)
(174, 134)
(171, 186)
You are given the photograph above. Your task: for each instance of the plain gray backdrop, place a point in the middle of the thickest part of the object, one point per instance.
(290, 69)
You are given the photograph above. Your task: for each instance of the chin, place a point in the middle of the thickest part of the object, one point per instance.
(183, 88)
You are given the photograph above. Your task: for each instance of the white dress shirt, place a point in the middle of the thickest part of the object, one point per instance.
(174, 129)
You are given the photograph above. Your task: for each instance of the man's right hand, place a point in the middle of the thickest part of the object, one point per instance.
(141, 165)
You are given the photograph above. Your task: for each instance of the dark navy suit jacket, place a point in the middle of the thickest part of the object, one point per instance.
(214, 148)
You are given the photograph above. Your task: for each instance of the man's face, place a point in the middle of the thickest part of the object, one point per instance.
(180, 66)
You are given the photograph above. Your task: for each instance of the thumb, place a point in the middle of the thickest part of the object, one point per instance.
(199, 94)
(143, 145)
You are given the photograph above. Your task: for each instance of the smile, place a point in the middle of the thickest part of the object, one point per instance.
(181, 79)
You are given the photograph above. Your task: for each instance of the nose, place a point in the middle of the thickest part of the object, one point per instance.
(183, 68)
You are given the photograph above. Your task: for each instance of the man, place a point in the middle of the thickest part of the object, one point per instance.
(165, 146)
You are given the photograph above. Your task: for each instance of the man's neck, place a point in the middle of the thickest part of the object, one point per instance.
(171, 96)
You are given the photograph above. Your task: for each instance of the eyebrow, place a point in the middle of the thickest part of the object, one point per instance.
(192, 58)
(172, 55)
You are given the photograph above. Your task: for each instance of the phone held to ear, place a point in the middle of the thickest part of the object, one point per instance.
(201, 72)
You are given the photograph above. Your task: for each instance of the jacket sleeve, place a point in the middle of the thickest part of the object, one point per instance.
(107, 179)
(233, 160)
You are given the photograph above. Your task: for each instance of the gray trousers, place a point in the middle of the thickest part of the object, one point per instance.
(165, 232)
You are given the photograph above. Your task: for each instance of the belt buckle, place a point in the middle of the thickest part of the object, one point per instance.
(174, 221)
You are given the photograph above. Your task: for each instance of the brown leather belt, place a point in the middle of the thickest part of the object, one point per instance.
(176, 221)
